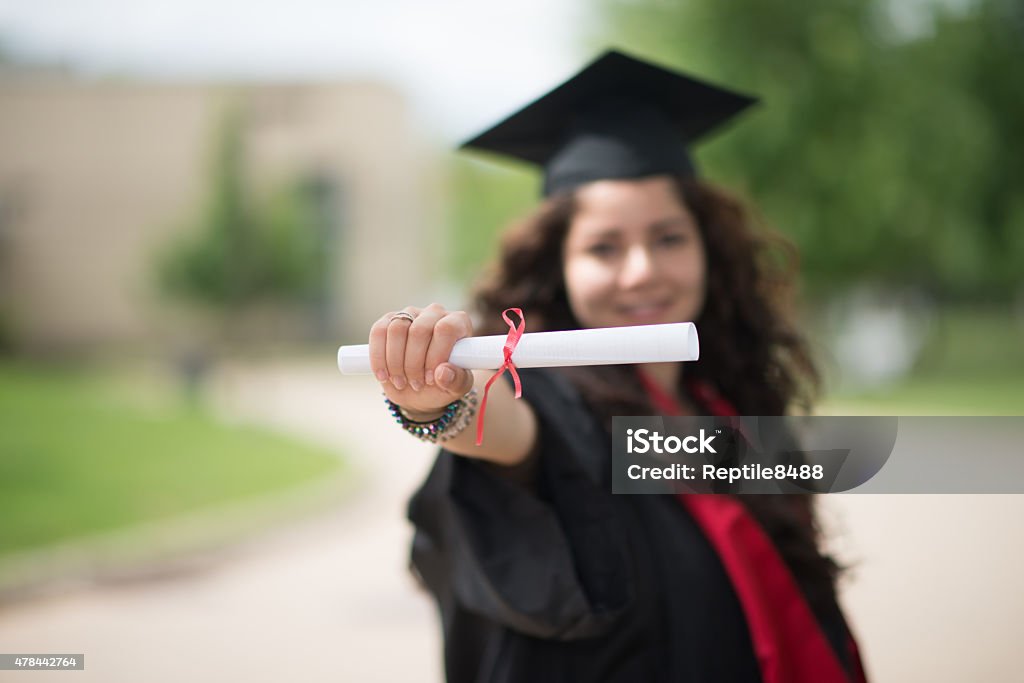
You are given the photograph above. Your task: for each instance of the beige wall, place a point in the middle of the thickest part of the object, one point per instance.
(96, 177)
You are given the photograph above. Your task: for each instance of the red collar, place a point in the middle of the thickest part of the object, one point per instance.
(701, 392)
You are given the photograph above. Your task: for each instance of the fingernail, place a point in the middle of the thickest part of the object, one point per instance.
(415, 384)
(428, 377)
(447, 376)
(382, 376)
(399, 382)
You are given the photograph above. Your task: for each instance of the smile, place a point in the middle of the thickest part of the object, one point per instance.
(644, 311)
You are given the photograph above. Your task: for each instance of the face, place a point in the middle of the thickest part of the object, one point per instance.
(633, 255)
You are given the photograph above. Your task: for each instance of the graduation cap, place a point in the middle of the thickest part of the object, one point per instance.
(620, 117)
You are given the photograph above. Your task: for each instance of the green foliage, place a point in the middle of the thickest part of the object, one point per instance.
(889, 152)
(975, 342)
(112, 464)
(244, 251)
(487, 196)
(971, 363)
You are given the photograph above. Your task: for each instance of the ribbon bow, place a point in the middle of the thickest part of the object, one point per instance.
(515, 333)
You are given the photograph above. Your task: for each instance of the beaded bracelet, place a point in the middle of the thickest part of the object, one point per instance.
(456, 416)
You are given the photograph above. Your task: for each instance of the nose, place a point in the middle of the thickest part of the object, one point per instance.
(637, 268)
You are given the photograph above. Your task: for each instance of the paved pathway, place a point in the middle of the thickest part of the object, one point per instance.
(935, 596)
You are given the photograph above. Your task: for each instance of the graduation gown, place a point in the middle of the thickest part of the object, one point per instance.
(567, 582)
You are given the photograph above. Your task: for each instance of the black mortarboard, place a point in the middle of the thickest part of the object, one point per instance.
(619, 117)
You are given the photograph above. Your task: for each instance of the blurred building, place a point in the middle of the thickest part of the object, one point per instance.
(95, 177)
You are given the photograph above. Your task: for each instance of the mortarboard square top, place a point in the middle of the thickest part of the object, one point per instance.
(620, 117)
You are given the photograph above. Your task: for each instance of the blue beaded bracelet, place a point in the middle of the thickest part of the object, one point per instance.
(455, 417)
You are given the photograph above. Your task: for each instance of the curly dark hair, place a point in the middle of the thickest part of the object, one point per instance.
(758, 359)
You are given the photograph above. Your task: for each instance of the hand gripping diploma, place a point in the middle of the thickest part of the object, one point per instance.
(409, 354)
(424, 359)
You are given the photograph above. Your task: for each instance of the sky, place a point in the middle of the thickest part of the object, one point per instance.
(462, 63)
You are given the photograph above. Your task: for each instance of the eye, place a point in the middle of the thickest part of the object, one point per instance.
(672, 239)
(602, 249)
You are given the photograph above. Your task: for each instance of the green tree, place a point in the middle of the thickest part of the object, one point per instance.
(888, 155)
(244, 251)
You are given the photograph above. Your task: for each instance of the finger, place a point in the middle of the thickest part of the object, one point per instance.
(394, 352)
(453, 379)
(452, 327)
(378, 342)
(418, 339)
(448, 330)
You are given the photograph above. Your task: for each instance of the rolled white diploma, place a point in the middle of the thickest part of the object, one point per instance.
(595, 346)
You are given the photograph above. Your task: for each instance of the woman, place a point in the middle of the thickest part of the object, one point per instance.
(539, 572)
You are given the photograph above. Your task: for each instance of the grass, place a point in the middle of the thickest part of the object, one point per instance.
(936, 396)
(77, 458)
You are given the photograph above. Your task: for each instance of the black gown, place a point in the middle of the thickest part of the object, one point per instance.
(569, 582)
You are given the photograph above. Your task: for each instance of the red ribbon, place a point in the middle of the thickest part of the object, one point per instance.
(515, 333)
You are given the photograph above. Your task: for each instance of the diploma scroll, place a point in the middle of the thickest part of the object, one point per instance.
(595, 346)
